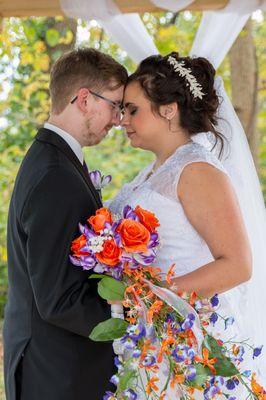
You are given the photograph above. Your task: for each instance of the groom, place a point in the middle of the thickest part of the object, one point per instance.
(52, 306)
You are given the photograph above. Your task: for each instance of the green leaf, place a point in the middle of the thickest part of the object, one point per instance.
(113, 328)
(126, 379)
(224, 366)
(111, 289)
(97, 276)
(202, 375)
(52, 37)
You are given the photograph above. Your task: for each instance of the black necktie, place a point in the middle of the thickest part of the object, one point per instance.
(85, 168)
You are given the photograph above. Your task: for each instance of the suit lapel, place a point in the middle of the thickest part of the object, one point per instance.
(47, 136)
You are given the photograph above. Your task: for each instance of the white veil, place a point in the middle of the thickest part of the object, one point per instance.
(249, 298)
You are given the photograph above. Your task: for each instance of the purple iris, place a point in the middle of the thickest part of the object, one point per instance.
(188, 322)
(136, 332)
(129, 394)
(96, 179)
(190, 372)
(183, 353)
(216, 384)
(240, 354)
(154, 240)
(232, 383)
(148, 361)
(145, 258)
(99, 181)
(128, 213)
(109, 396)
(136, 353)
(257, 352)
(114, 380)
(214, 318)
(128, 342)
(86, 262)
(215, 300)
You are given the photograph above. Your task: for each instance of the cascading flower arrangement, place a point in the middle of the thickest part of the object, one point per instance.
(163, 330)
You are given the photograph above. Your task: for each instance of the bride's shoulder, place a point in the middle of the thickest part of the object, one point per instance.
(196, 152)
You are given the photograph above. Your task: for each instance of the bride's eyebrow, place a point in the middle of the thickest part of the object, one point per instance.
(128, 104)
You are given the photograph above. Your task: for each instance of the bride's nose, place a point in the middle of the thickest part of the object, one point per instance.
(125, 120)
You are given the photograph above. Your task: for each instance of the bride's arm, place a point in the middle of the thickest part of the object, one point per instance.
(210, 205)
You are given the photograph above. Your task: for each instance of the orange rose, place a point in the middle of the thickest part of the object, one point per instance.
(98, 220)
(110, 254)
(77, 244)
(135, 237)
(147, 218)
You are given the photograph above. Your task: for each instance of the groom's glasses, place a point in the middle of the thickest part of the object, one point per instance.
(117, 107)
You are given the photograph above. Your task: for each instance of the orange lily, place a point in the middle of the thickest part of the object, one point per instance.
(177, 379)
(257, 388)
(206, 361)
(151, 385)
(154, 309)
(170, 274)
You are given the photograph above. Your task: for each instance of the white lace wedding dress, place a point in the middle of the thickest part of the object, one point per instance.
(180, 242)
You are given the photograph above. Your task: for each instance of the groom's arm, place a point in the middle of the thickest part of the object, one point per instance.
(63, 294)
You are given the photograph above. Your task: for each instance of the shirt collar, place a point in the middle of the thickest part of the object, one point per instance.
(71, 141)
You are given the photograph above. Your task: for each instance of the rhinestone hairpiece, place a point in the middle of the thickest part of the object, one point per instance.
(194, 86)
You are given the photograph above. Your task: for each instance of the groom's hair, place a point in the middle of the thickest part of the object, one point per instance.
(84, 67)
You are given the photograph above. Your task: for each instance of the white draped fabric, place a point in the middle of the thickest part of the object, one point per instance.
(127, 30)
(217, 32)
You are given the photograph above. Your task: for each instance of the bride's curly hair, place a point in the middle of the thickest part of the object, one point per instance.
(163, 85)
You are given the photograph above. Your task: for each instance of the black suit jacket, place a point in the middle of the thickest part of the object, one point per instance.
(52, 306)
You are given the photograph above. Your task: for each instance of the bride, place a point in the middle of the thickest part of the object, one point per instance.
(168, 102)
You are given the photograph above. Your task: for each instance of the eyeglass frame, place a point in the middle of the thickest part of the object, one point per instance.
(113, 103)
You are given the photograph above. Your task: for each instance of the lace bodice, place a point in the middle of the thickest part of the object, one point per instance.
(180, 242)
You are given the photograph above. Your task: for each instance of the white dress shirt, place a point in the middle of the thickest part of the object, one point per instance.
(71, 141)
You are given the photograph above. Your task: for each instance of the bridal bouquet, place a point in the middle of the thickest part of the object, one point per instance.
(164, 341)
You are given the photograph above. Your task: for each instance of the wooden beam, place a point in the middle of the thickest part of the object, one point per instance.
(26, 8)
(141, 6)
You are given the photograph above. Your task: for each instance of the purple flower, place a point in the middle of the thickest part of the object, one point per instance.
(190, 372)
(148, 361)
(106, 180)
(129, 394)
(128, 342)
(128, 213)
(232, 383)
(183, 353)
(145, 258)
(96, 179)
(239, 352)
(154, 240)
(214, 318)
(136, 332)
(257, 352)
(215, 300)
(136, 353)
(109, 396)
(114, 380)
(99, 181)
(118, 363)
(188, 322)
